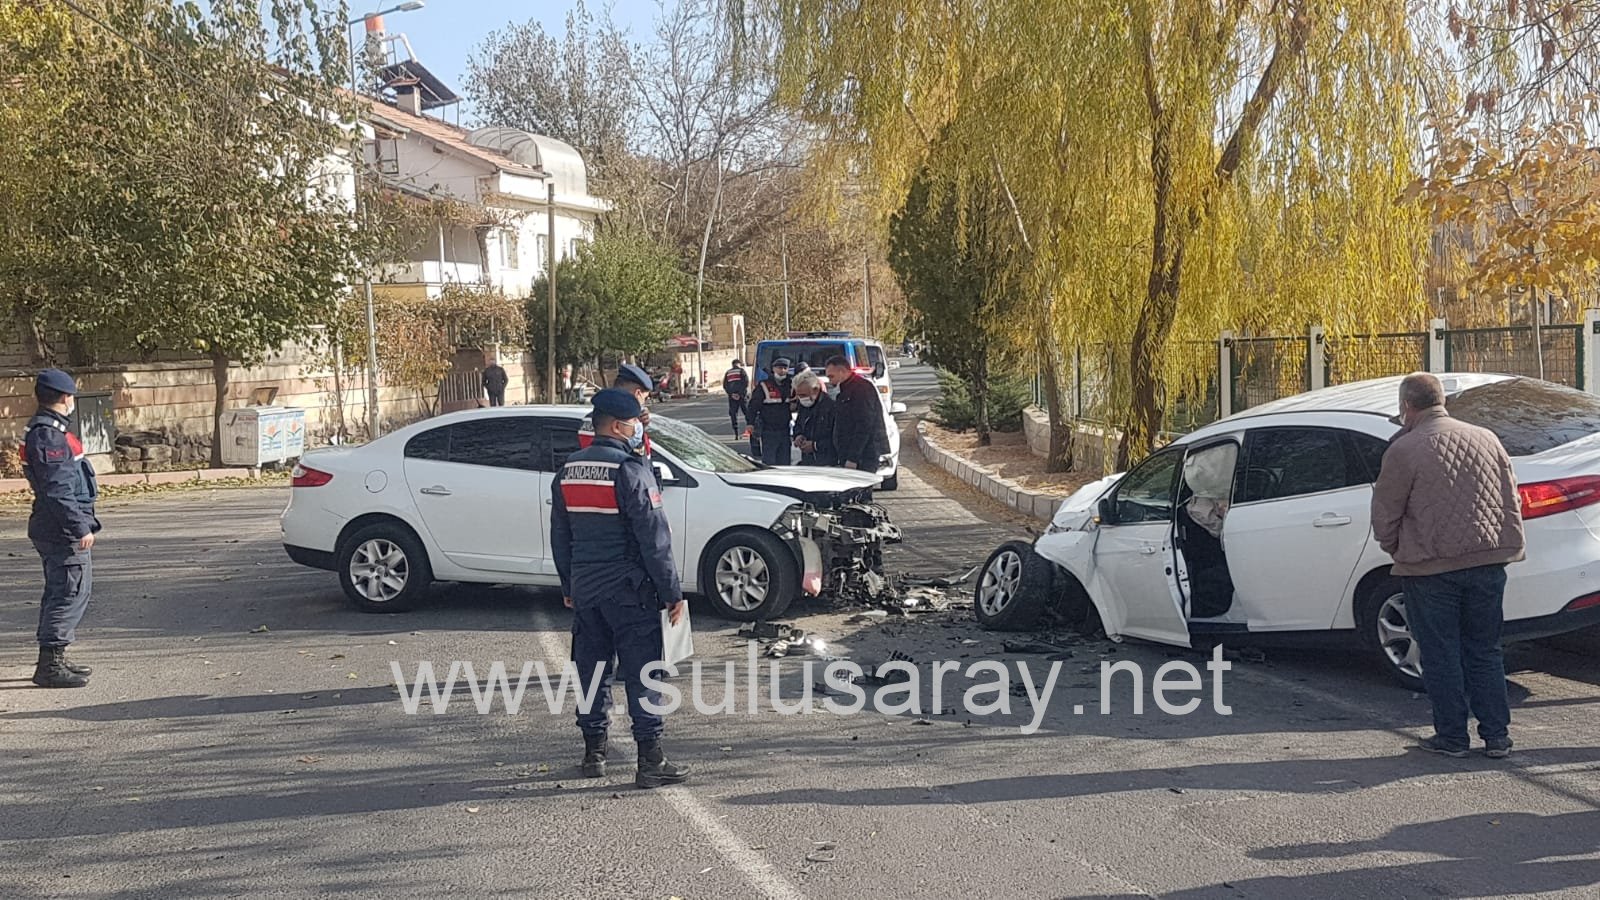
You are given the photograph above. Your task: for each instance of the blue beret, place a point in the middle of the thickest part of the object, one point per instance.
(628, 372)
(616, 403)
(57, 380)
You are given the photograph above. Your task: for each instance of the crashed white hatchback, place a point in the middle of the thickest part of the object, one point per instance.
(1261, 523)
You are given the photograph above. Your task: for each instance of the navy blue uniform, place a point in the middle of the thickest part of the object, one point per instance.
(613, 551)
(769, 414)
(64, 492)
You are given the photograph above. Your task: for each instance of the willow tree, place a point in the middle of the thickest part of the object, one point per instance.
(1173, 167)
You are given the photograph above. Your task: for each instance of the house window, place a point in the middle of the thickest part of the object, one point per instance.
(576, 245)
(544, 250)
(510, 257)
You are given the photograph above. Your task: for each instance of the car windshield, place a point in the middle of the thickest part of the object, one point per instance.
(1528, 416)
(696, 449)
(814, 353)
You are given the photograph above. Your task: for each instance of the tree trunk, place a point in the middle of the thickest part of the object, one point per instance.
(1060, 453)
(980, 399)
(219, 378)
(1167, 245)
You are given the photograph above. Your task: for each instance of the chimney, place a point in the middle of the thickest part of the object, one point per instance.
(409, 99)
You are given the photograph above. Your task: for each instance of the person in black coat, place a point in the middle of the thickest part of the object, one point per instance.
(814, 420)
(859, 434)
(494, 383)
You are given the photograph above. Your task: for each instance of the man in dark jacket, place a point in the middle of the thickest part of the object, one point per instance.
(494, 383)
(859, 435)
(770, 416)
(612, 546)
(813, 421)
(62, 526)
(736, 384)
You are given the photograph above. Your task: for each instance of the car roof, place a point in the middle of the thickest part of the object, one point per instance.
(1376, 397)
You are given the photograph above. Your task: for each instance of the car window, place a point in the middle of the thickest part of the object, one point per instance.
(814, 353)
(557, 439)
(433, 444)
(1146, 494)
(1290, 462)
(504, 442)
(1528, 416)
(1369, 451)
(875, 359)
(694, 448)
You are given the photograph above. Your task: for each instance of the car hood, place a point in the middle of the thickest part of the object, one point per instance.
(1078, 508)
(823, 486)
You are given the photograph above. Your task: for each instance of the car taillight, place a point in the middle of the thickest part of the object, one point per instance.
(1546, 498)
(1588, 601)
(304, 476)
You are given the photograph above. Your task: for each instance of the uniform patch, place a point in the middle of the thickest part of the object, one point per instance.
(55, 454)
(589, 497)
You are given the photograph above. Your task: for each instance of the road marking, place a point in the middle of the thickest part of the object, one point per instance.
(750, 863)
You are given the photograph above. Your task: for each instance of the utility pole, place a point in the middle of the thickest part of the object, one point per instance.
(700, 282)
(550, 277)
(866, 293)
(783, 242)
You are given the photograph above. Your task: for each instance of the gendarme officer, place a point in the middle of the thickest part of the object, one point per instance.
(613, 551)
(62, 526)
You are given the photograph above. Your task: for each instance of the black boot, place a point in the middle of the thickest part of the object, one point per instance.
(654, 770)
(52, 671)
(73, 667)
(594, 755)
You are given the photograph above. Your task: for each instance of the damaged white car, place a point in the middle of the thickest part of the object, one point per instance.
(466, 497)
(1260, 525)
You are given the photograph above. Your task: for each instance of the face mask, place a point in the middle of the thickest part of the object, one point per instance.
(781, 376)
(636, 440)
(808, 401)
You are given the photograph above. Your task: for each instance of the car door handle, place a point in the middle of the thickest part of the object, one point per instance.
(1148, 550)
(1330, 520)
(437, 490)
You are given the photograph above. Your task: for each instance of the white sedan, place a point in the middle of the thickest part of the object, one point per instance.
(1260, 524)
(466, 497)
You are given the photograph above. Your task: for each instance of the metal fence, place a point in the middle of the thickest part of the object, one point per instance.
(1517, 351)
(1358, 357)
(1267, 368)
(1262, 369)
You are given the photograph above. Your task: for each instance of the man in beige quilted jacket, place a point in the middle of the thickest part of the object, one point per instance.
(1446, 510)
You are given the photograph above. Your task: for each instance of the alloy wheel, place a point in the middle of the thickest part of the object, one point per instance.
(1394, 636)
(379, 570)
(743, 579)
(1000, 581)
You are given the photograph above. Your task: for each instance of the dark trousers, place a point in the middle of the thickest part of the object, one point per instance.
(735, 407)
(626, 636)
(776, 449)
(497, 398)
(1456, 619)
(68, 576)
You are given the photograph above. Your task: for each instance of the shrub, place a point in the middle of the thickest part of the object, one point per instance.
(955, 408)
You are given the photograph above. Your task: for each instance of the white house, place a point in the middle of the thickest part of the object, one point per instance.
(505, 171)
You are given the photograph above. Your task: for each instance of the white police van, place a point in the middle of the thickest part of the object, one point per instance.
(814, 348)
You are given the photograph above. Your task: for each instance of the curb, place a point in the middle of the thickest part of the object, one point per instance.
(17, 485)
(981, 479)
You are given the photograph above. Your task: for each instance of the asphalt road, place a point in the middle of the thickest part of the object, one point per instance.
(243, 736)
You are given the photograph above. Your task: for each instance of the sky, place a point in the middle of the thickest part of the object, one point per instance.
(444, 32)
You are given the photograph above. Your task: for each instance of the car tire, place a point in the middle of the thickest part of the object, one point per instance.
(383, 568)
(749, 576)
(1014, 588)
(891, 482)
(1385, 632)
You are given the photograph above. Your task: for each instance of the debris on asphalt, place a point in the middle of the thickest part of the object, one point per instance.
(822, 851)
(863, 618)
(1034, 647)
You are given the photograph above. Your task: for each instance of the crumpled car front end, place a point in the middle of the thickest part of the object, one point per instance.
(840, 547)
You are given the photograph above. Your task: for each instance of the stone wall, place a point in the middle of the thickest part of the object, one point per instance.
(1094, 447)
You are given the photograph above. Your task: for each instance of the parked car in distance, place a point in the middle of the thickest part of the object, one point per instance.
(466, 497)
(1294, 556)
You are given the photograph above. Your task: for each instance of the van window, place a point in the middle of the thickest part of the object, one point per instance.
(813, 353)
(875, 359)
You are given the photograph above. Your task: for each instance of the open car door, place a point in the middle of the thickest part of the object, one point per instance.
(1134, 559)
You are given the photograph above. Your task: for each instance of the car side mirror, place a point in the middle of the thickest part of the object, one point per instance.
(878, 370)
(1106, 511)
(664, 473)
(897, 408)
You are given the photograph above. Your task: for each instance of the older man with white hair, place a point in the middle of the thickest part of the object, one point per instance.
(813, 421)
(1446, 510)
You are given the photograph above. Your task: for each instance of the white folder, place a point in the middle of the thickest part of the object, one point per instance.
(677, 641)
